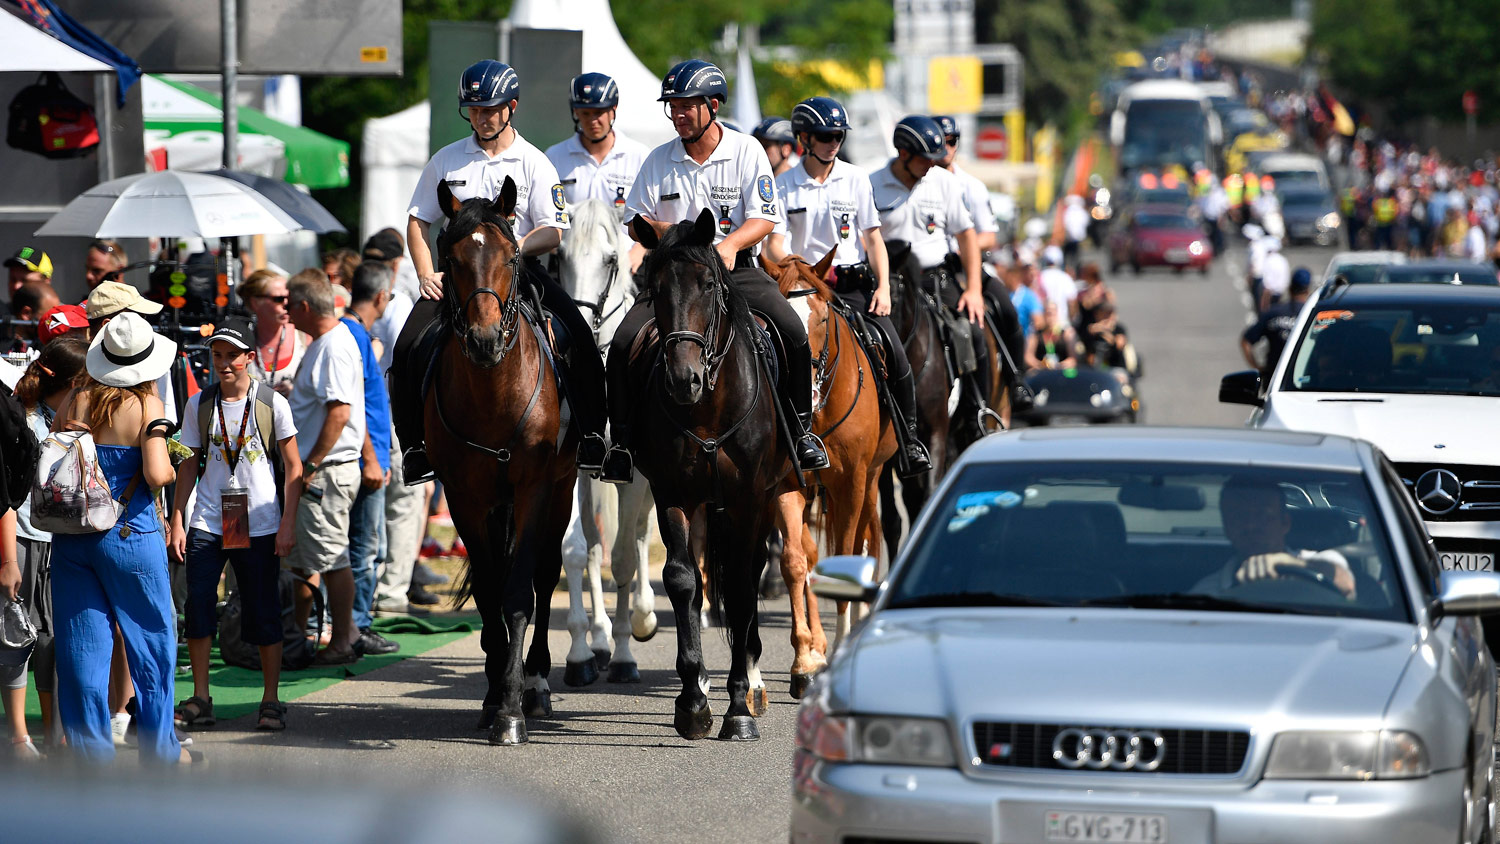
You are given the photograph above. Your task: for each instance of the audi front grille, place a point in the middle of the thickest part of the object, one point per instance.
(1453, 493)
(1005, 745)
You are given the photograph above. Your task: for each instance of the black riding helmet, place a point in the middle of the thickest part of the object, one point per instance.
(920, 135)
(777, 130)
(819, 114)
(692, 79)
(947, 125)
(594, 90)
(487, 84)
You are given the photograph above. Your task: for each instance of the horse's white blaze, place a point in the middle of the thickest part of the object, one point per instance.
(478, 237)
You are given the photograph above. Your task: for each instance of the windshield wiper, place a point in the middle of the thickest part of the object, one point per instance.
(1182, 601)
(971, 599)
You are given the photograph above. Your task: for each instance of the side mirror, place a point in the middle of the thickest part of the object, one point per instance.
(846, 578)
(1469, 592)
(1241, 388)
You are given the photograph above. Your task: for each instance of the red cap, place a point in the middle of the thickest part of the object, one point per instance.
(59, 321)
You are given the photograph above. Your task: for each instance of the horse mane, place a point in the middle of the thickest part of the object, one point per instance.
(788, 281)
(472, 214)
(674, 247)
(587, 216)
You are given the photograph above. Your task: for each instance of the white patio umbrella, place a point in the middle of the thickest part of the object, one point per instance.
(169, 203)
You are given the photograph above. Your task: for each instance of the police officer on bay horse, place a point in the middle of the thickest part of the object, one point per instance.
(477, 166)
(711, 167)
(830, 208)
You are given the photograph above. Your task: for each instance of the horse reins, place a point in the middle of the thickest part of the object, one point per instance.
(510, 304)
(600, 315)
(710, 358)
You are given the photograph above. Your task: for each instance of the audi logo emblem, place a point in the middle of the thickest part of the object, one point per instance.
(1115, 750)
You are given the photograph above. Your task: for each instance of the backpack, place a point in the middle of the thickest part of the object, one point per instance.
(19, 451)
(265, 424)
(70, 493)
(297, 651)
(47, 119)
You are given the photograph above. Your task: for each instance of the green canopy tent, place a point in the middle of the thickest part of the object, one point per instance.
(183, 126)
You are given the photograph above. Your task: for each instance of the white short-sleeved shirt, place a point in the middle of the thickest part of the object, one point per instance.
(977, 200)
(331, 371)
(583, 177)
(827, 215)
(253, 473)
(1276, 273)
(925, 216)
(470, 173)
(735, 183)
(1059, 287)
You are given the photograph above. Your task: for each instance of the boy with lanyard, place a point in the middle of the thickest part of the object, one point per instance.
(829, 207)
(712, 167)
(477, 166)
(236, 517)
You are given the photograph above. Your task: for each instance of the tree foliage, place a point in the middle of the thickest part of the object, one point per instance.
(1416, 57)
(1067, 44)
(1162, 15)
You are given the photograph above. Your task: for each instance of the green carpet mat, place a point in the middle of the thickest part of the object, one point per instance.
(237, 691)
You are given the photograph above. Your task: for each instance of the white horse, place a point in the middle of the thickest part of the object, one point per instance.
(595, 270)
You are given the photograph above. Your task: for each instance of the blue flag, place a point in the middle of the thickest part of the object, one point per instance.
(54, 21)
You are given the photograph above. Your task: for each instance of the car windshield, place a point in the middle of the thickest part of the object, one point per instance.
(1416, 274)
(1295, 178)
(1162, 132)
(1156, 535)
(1450, 349)
(1305, 200)
(1164, 221)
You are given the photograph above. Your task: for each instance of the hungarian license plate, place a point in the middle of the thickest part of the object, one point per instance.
(1097, 826)
(1455, 561)
(1177, 256)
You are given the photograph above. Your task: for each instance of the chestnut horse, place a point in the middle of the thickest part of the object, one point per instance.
(857, 432)
(495, 436)
(714, 458)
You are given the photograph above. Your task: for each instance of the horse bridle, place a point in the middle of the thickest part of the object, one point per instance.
(600, 315)
(510, 305)
(711, 354)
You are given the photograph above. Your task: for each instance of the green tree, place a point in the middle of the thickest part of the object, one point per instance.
(1067, 44)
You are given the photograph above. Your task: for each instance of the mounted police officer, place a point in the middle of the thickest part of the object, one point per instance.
(777, 139)
(598, 161)
(710, 167)
(477, 166)
(831, 208)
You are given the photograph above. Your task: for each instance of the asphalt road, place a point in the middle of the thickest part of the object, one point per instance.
(609, 756)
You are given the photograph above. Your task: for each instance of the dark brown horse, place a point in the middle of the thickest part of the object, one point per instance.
(857, 432)
(495, 438)
(714, 458)
(920, 334)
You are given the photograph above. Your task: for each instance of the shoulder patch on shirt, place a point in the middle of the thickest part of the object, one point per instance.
(557, 197)
(767, 191)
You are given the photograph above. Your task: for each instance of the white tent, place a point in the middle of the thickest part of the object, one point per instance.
(393, 155)
(29, 48)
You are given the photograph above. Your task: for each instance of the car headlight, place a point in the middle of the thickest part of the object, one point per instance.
(1195, 248)
(877, 740)
(1329, 220)
(1362, 755)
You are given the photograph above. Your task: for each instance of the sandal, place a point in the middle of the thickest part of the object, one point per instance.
(199, 716)
(272, 716)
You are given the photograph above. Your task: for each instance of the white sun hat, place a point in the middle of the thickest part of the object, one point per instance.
(127, 352)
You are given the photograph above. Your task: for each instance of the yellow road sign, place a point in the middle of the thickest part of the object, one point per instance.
(955, 84)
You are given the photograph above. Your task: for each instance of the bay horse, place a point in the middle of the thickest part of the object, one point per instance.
(714, 458)
(922, 338)
(496, 439)
(594, 267)
(858, 434)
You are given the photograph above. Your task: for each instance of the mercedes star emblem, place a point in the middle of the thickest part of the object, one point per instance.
(1438, 491)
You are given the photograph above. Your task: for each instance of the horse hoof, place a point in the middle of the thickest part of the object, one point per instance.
(739, 728)
(693, 724)
(580, 673)
(487, 718)
(800, 684)
(624, 672)
(756, 701)
(508, 731)
(601, 660)
(536, 703)
(645, 629)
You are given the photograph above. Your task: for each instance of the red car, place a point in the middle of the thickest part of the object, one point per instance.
(1160, 236)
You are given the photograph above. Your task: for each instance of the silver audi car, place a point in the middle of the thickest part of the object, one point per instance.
(1156, 635)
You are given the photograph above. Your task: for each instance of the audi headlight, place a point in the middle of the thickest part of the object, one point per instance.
(1329, 220)
(1363, 755)
(1195, 248)
(903, 741)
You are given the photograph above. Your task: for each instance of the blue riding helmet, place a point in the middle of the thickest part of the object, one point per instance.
(920, 135)
(947, 125)
(819, 114)
(777, 130)
(593, 90)
(488, 84)
(694, 78)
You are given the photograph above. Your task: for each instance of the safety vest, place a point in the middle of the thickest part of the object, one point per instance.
(1234, 190)
(1385, 210)
(1346, 204)
(1252, 187)
(1205, 181)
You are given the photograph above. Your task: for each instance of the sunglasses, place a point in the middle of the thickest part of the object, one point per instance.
(828, 137)
(951, 140)
(280, 300)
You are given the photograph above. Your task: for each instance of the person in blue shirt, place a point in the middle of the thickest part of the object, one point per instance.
(368, 297)
(1028, 304)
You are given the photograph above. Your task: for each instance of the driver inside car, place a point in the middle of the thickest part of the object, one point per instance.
(1257, 522)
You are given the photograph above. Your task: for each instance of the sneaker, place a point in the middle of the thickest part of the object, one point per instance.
(421, 597)
(119, 726)
(22, 749)
(430, 548)
(183, 739)
(421, 575)
(371, 643)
